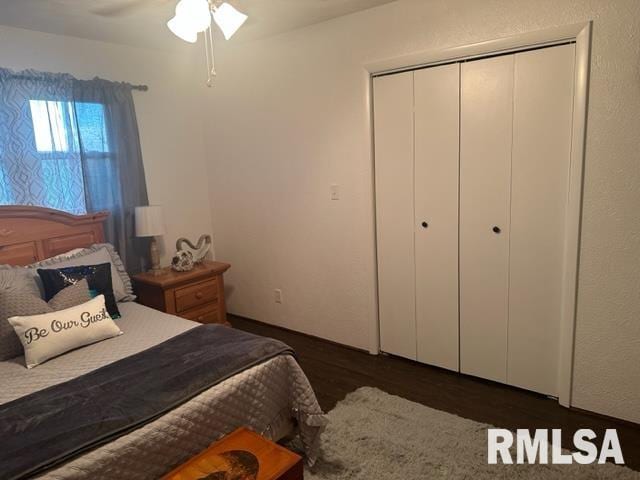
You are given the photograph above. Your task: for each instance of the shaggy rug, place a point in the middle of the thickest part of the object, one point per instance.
(376, 436)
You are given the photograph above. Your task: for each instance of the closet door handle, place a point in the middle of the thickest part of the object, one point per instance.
(496, 229)
(424, 224)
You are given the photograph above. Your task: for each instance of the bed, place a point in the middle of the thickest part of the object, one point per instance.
(273, 398)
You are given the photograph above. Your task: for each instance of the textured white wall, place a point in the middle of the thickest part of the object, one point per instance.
(288, 119)
(169, 117)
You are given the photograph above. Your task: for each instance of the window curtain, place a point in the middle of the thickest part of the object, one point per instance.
(73, 145)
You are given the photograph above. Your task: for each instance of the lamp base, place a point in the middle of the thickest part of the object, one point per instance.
(154, 256)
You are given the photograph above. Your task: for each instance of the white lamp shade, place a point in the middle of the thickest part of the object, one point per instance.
(228, 19)
(149, 221)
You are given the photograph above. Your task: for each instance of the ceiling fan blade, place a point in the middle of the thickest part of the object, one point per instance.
(123, 8)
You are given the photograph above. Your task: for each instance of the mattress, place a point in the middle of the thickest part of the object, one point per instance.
(270, 398)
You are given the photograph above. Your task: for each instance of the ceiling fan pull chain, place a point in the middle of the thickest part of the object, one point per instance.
(213, 61)
(208, 50)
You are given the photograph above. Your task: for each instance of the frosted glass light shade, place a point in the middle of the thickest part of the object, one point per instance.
(228, 19)
(182, 29)
(195, 13)
(192, 16)
(149, 221)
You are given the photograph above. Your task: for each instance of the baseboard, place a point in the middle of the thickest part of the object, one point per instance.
(308, 335)
(609, 418)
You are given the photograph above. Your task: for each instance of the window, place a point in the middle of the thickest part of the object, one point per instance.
(72, 145)
(56, 124)
(67, 137)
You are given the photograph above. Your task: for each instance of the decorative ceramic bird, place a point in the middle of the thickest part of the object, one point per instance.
(199, 250)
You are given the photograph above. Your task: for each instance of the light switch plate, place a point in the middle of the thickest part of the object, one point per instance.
(335, 192)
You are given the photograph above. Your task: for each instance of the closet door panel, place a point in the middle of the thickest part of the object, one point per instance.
(485, 169)
(436, 94)
(393, 138)
(543, 103)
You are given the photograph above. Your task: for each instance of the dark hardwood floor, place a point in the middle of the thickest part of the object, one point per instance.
(336, 370)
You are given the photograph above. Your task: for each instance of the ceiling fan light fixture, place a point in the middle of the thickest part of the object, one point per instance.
(182, 29)
(228, 19)
(192, 16)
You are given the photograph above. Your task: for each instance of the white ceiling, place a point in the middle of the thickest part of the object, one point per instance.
(143, 22)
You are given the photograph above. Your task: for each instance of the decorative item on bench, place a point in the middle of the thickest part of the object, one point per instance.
(186, 257)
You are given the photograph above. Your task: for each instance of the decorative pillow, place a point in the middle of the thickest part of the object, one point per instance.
(120, 269)
(14, 303)
(51, 334)
(19, 279)
(98, 276)
(25, 279)
(95, 255)
(73, 295)
(65, 255)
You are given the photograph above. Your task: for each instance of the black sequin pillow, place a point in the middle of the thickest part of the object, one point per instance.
(98, 277)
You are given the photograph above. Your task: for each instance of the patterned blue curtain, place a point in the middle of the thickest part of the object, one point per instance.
(73, 145)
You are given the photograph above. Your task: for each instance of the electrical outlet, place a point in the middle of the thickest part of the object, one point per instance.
(277, 295)
(335, 192)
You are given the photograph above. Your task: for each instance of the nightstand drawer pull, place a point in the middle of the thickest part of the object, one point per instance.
(205, 314)
(196, 295)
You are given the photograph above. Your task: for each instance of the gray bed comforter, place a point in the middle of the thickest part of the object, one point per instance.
(50, 426)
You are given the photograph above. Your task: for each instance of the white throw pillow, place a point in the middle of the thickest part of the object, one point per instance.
(51, 334)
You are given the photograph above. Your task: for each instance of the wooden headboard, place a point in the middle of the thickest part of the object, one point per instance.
(30, 234)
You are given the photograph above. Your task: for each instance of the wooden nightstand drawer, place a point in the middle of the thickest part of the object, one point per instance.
(205, 314)
(195, 295)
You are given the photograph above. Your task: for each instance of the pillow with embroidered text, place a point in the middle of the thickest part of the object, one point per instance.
(14, 303)
(51, 334)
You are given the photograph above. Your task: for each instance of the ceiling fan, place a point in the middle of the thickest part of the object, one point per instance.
(191, 17)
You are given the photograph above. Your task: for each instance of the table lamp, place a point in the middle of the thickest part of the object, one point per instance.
(150, 223)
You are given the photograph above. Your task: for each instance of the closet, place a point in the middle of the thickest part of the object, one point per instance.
(471, 175)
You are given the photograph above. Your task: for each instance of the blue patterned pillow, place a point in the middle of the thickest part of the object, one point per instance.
(93, 255)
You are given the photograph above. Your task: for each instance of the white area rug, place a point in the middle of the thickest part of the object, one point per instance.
(376, 436)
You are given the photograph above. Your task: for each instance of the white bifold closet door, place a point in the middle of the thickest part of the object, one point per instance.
(436, 131)
(471, 173)
(515, 143)
(486, 104)
(416, 118)
(393, 118)
(542, 123)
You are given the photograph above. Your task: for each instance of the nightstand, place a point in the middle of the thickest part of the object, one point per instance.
(195, 295)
